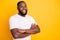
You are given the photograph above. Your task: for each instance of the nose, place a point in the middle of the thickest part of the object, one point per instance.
(24, 8)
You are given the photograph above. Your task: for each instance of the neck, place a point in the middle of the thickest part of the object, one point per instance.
(21, 15)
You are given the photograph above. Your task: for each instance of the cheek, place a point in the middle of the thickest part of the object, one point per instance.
(21, 9)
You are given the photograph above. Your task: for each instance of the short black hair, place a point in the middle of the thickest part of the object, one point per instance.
(20, 2)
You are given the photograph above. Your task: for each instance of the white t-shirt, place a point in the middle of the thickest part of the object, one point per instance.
(17, 21)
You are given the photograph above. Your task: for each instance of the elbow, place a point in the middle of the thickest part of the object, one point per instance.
(38, 31)
(15, 36)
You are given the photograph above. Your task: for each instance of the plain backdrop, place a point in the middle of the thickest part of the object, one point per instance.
(45, 12)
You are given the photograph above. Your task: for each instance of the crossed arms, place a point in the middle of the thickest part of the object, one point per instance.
(21, 33)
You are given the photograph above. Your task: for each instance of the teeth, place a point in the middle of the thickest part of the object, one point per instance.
(24, 11)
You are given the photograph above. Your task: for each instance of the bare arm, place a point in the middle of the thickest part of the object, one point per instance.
(20, 33)
(17, 34)
(33, 30)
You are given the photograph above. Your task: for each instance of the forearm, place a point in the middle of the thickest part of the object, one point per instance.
(16, 34)
(29, 31)
(21, 35)
(32, 31)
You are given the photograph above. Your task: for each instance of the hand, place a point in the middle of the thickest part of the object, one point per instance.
(21, 31)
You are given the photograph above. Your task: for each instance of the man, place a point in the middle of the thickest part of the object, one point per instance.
(21, 24)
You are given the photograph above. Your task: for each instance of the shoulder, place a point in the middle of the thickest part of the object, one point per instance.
(30, 17)
(12, 17)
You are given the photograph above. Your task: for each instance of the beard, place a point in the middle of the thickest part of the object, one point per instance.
(21, 13)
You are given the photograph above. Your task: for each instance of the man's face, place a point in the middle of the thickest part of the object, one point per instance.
(22, 8)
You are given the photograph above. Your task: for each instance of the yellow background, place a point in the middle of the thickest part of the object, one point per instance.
(45, 12)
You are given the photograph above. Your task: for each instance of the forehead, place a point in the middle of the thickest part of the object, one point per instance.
(22, 4)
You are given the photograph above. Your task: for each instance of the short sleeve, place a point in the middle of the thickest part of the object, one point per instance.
(12, 23)
(33, 21)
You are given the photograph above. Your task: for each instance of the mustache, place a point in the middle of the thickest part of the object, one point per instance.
(23, 14)
(21, 11)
